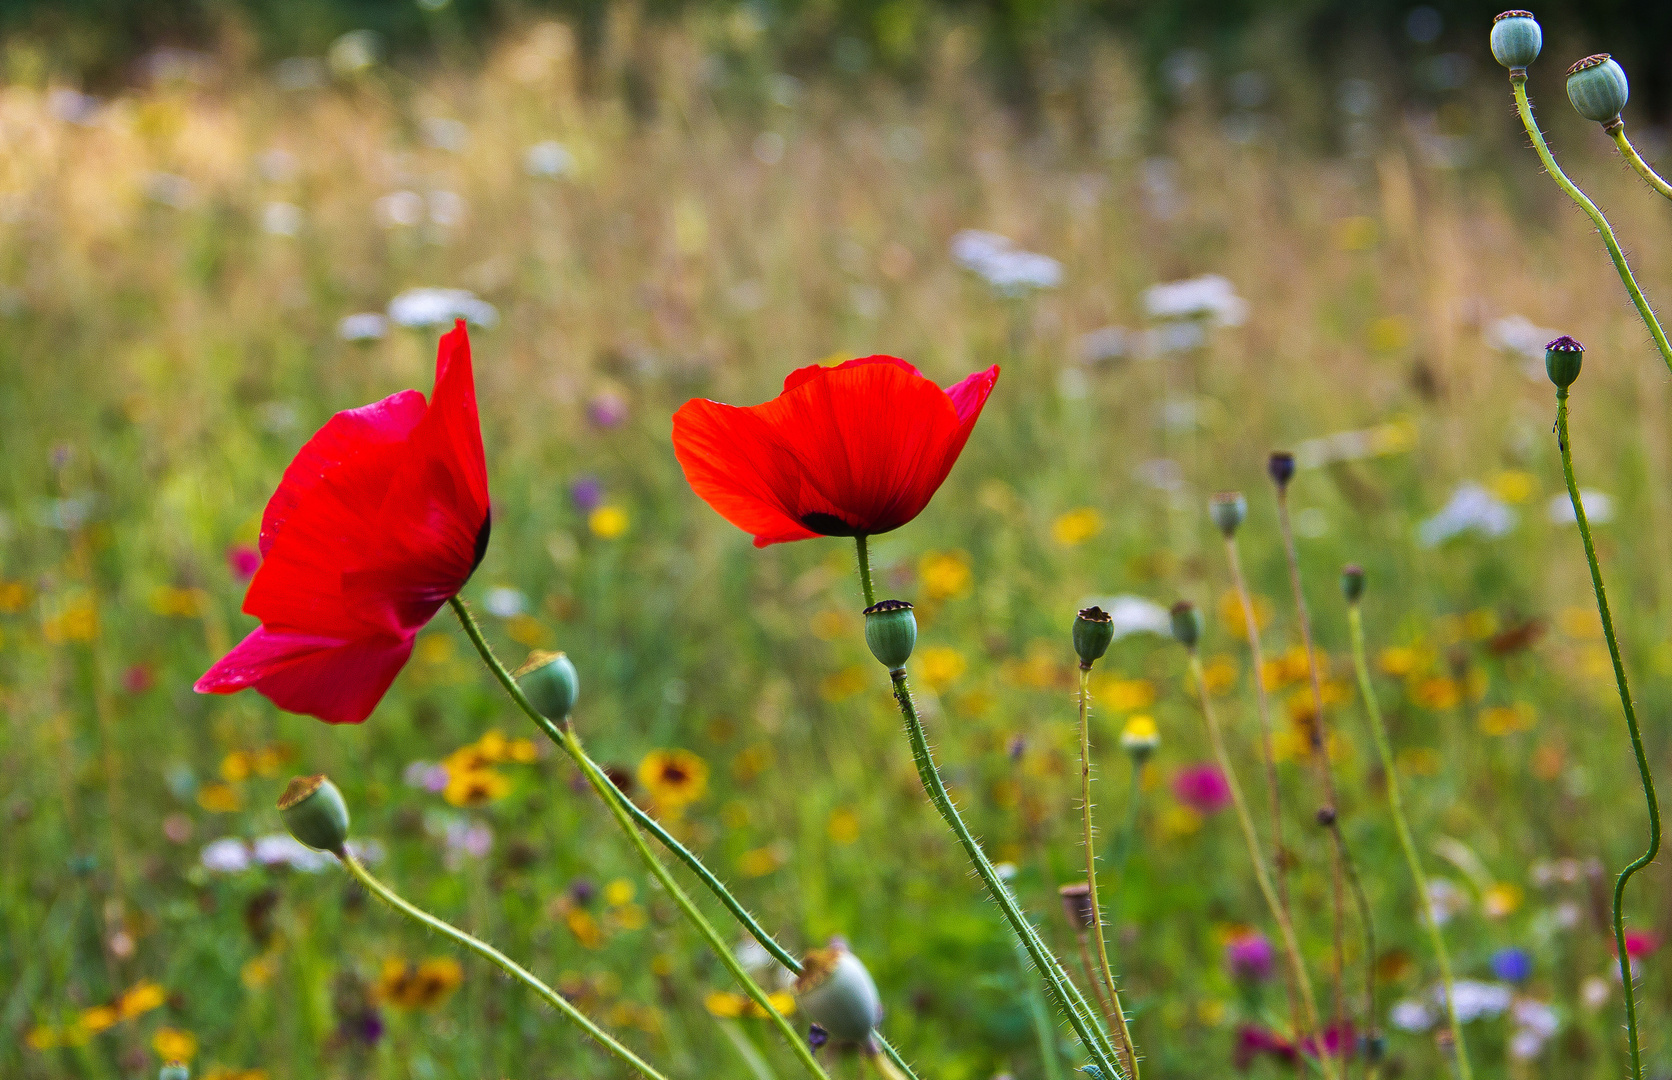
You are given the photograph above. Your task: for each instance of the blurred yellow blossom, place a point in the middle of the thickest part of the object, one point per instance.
(172, 1044)
(725, 1004)
(585, 928)
(219, 798)
(939, 666)
(607, 522)
(1140, 733)
(423, 986)
(237, 766)
(140, 999)
(1501, 900)
(945, 574)
(1076, 527)
(1513, 485)
(1179, 821)
(751, 761)
(169, 600)
(758, 862)
(98, 1018)
(1220, 674)
(844, 684)
(830, 624)
(76, 621)
(843, 826)
(1231, 615)
(526, 630)
(1398, 661)
(1439, 692)
(1507, 719)
(14, 597)
(674, 778)
(1124, 695)
(474, 787)
(620, 891)
(1480, 624)
(1419, 761)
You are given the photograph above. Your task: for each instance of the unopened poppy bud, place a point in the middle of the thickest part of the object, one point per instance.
(1187, 624)
(1516, 39)
(313, 810)
(1140, 738)
(1094, 628)
(1228, 508)
(1281, 467)
(1326, 816)
(891, 632)
(1352, 582)
(837, 994)
(1562, 361)
(174, 1070)
(1077, 906)
(550, 682)
(1598, 89)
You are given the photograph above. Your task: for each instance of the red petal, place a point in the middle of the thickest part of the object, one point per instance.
(337, 681)
(968, 397)
(735, 464)
(801, 375)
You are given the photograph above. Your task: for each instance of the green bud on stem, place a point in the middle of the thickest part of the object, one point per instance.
(1598, 89)
(1094, 629)
(1352, 582)
(550, 681)
(1562, 361)
(1228, 509)
(1187, 624)
(891, 632)
(1516, 39)
(313, 810)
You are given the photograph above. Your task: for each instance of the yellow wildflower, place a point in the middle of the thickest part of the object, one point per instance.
(945, 574)
(1501, 900)
(843, 684)
(674, 778)
(419, 987)
(620, 891)
(1076, 527)
(607, 522)
(843, 826)
(940, 666)
(172, 1044)
(759, 862)
(1507, 719)
(474, 787)
(219, 798)
(141, 998)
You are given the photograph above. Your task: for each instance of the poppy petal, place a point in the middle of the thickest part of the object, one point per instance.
(338, 681)
(733, 462)
(801, 375)
(970, 395)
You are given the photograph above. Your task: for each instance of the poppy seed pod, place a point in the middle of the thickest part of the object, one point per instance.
(1281, 467)
(550, 681)
(1516, 39)
(837, 994)
(1094, 629)
(314, 812)
(174, 1070)
(1352, 582)
(1598, 89)
(891, 632)
(1187, 623)
(1562, 360)
(1228, 508)
(1077, 906)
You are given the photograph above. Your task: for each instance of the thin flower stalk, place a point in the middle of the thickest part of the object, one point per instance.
(1629, 152)
(565, 736)
(1396, 807)
(1518, 82)
(1117, 1019)
(1285, 927)
(481, 948)
(1631, 723)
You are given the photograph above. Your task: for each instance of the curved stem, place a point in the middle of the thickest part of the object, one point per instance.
(1286, 929)
(1128, 1058)
(1631, 723)
(504, 963)
(1256, 655)
(612, 797)
(1519, 84)
(1629, 152)
(863, 543)
(1396, 806)
(1068, 999)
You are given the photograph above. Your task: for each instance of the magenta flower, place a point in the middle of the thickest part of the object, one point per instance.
(1203, 788)
(1250, 956)
(244, 560)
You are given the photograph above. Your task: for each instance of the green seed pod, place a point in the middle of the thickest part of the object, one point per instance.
(1094, 628)
(1562, 360)
(1228, 509)
(1516, 39)
(174, 1070)
(551, 683)
(1187, 624)
(1352, 582)
(313, 810)
(891, 632)
(1598, 89)
(836, 993)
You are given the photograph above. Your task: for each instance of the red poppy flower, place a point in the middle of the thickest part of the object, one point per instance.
(852, 450)
(379, 520)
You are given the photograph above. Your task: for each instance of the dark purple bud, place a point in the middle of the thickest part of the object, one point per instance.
(1281, 466)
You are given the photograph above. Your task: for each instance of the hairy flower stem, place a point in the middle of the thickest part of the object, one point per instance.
(1631, 723)
(1279, 859)
(1080, 1015)
(510, 967)
(1118, 1019)
(565, 736)
(1285, 927)
(1518, 82)
(862, 543)
(1329, 817)
(1396, 806)
(1629, 152)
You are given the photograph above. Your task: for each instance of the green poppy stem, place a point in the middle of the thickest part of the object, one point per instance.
(1067, 998)
(504, 963)
(1118, 1019)
(564, 735)
(1396, 806)
(863, 544)
(1519, 84)
(1285, 926)
(1629, 152)
(1631, 723)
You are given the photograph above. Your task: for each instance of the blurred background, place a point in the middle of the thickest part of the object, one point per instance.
(1190, 233)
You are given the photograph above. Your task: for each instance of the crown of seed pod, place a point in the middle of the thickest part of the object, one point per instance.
(1281, 468)
(1228, 509)
(314, 812)
(1077, 906)
(1562, 361)
(1598, 89)
(1094, 629)
(1352, 582)
(891, 632)
(550, 682)
(1516, 39)
(837, 994)
(1187, 623)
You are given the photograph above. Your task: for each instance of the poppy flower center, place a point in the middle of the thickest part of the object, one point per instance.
(829, 525)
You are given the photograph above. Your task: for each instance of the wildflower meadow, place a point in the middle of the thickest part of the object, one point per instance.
(624, 557)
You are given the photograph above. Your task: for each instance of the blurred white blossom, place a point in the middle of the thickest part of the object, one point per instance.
(1412, 1015)
(1472, 509)
(1007, 268)
(549, 159)
(1134, 614)
(227, 855)
(362, 326)
(424, 307)
(1210, 297)
(1475, 999)
(281, 219)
